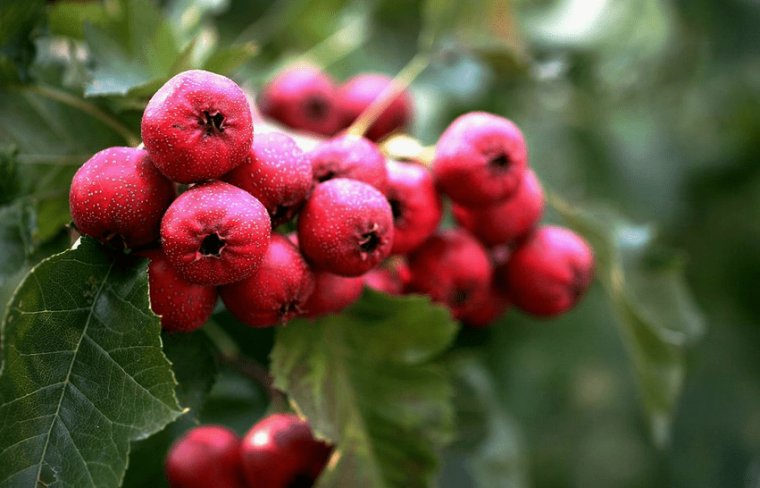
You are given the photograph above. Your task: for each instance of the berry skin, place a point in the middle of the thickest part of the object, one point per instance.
(346, 227)
(549, 272)
(277, 173)
(119, 194)
(197, 126)
(349, 156)
(205, 456)
(480, 159)
(453, 268)
(276, 292)
(302, 97)
(215, 233)
(280, 451)
(183, 306)
(489, 307)
(359, 92)
(332, 293)
(508, 221)
(416, 205)
(391, 277)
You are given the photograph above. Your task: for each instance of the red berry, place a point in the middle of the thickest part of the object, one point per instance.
(277, 173)
(197, 126)
(416, 205)
(549, 272)
(119, 193)
(508, 221)
(349, 156)
(391, 277)
(346, 227)
(480, 159)
(183, 306)
(276, 292)
(205, 456)
(489, 306)
(359, 92)
(332, 293)
(280, 451)
(215, 233)
(302, 97)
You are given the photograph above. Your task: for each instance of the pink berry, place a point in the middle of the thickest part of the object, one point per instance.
(349, 156)
(346, 227)
(197, 126)
(280, 451)
(277, 173)
(416, 205)
(549, 272)
(205, 456)
(359, 92)
(119, 194)
(302, 97)
(215, 233)
(276, 292)
(480, 159)
(508, 221)
(332, 293)
(391, 277)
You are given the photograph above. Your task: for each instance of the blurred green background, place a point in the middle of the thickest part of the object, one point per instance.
(647, 107)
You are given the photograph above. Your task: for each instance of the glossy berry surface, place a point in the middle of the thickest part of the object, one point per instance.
(197, 126)
(332, 293)
(118, 194)
(276, 292)
(277, 174)
(349, 156)
(356, 94)
(205, 456)
(346, 227)
(549, 272)
(480, 159)
(183, 306)
(215, 233)
(280, 451)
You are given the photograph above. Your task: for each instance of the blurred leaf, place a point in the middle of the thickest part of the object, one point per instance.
(17, 224)
(9, 182)
(658, 318)
(68, 18)
(194, 366)
(82, 373)
(366, 381)
(226, 60)
(18, 21)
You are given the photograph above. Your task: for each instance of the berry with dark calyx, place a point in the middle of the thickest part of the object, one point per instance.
(453, 268)
(332, 293)
(349, 156)
(346, 227)
(197, 126)
(480, 159)
(183, 306)
(277, 174)
(416, 205)
(118, 194)
(355, 95)
(215, 233)
(205, 456)
(508, 221)
(549, 272)
(280, 451)
(276, 292)
(302, 97)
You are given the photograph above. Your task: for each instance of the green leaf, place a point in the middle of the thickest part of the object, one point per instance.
(657, 315)
(226, 60)
(17, 224)
(82, 371)
(193, 363)
(9, 184)
(68, 18)
(366, 381)
(19, 20)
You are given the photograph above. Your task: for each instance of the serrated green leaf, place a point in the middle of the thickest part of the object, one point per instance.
(82, 371)
(17, 224)
(366, 381)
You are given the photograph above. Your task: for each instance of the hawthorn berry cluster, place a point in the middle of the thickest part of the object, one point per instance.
(280, 451)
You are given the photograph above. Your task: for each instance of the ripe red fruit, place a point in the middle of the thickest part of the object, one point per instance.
(480, 159)
(346, 227)
(302, 97)
(119, 194)
(359, 92)
(276, 292)
(489, 306)
(549, 272)
(452, 267)
(332, 293)
(277, 174)
(508, 221)
(215, 233)
(349, 156)
(280, 451)
(205, 456)
(197, 126)
(183, 306)
(416, 205)
(391, 277)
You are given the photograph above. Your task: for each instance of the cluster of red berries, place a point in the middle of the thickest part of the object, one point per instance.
(279, 451)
